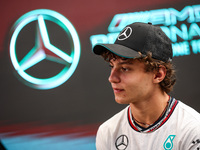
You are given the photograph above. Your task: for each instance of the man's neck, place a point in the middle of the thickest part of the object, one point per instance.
(147, 112)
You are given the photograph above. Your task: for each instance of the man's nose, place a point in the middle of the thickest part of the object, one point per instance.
(114, 76)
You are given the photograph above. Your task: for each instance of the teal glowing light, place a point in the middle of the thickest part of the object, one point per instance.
(182, 27)
(37, 53)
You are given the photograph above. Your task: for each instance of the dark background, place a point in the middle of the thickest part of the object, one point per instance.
(86, 98)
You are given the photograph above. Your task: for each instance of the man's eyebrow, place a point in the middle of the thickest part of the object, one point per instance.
(126, 62)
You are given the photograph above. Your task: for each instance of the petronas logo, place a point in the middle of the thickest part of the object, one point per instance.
(168, 145)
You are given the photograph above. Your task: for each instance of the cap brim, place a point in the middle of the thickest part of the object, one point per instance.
(117, 49)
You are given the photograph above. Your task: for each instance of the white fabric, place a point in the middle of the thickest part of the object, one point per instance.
(180, 132)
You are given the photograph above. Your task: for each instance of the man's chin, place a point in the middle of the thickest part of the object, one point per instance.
(121, 101)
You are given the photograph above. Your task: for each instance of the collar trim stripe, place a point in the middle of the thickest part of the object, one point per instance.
(130, 120)
(167, 117)
(158, 124)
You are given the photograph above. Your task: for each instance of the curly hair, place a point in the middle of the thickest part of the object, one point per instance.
(151, 65)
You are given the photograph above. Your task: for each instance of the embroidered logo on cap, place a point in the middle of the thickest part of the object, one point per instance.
(125, 34)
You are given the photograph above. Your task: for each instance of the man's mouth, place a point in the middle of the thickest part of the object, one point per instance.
(117, 90)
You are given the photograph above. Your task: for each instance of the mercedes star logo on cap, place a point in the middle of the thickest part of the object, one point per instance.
(125, 34)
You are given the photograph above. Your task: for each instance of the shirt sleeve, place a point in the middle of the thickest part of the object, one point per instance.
(195, 143)
(101, 139)
(193, 139)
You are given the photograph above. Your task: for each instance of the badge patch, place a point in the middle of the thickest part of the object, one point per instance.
(168, 145)
(121, 142)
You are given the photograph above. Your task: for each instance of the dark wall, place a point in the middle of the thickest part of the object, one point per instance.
(85, 100)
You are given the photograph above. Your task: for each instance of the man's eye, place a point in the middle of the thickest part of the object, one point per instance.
(124, 69)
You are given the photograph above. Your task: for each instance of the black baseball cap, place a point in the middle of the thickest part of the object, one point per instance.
(139, 37)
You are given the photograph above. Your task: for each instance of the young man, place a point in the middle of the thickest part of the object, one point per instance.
(142, 75)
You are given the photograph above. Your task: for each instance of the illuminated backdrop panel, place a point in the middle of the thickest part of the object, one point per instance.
(54, 91)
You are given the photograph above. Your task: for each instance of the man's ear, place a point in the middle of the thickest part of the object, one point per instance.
(160, 74)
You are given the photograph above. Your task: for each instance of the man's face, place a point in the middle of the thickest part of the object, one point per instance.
(130, 82)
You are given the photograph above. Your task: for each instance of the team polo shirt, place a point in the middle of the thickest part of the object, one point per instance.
(177, 129)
